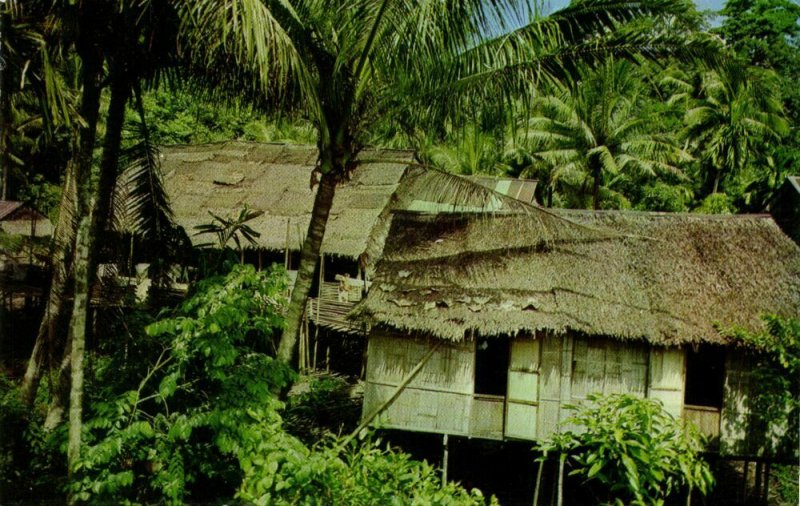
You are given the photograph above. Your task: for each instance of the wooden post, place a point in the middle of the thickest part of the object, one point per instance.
(765, 499)
(538, 481)
(307, 345)
(300, 354)
(314, 356)
(744, 481)
(260, 261)
(286, 256)
(560, 492)
(445, 458)
(758, 482)
(319, 303)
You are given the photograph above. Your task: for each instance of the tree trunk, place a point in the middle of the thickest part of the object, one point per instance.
(100, 210)
(77, 331)
(5, 126)
(77, 174)
(64, 236)
(308, 262)
(596, 190)
(716, 181)
(109, 163)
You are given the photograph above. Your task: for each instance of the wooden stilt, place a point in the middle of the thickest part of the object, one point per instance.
(314, 355)
(560, 492)
(445, 458)
(307, 346)
(286, 256)
(538, 482)
(758, 482)
(744, 480)
(300, 343)
(765, 499)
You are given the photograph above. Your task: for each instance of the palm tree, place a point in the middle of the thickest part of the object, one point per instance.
(32, 66)
(596, 130)
(735, 115)
(349, 63)
(116, 45)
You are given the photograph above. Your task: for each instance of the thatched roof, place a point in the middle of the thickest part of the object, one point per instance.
(786, 207)
(665, 278)
(17, 217)
(7, 207)
(274, 178)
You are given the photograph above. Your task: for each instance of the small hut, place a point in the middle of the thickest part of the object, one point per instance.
(24, 232)
(275, 178)
(18, 218)
(481, 329)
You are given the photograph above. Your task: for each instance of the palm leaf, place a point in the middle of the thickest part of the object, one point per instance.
(142, 204)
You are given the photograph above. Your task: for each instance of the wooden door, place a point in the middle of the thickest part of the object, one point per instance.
(522, 398)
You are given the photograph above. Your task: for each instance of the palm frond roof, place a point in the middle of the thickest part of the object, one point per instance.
(664, 278)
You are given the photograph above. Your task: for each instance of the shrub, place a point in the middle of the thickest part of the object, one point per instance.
(204, 424)
(636, 451)
(204, 403)
(320, 405)
(361, 473)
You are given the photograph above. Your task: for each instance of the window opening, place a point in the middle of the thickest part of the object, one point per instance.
(705, 376)
(491, 366)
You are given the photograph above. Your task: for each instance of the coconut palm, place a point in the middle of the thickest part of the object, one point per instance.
(34, 100)
(595, 131)
(347, 64)
(117, 45)
(736, 114)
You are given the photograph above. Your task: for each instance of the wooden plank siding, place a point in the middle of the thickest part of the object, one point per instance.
(522, 398)
(666, 382)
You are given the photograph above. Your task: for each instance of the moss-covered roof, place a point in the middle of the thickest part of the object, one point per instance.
(665, 278)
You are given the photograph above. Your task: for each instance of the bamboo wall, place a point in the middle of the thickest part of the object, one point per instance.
(545, 376)
(437, 400)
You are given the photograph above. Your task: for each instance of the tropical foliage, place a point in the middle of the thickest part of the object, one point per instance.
(632, 451)
(609, 104)
(586, 138)
(186, 409)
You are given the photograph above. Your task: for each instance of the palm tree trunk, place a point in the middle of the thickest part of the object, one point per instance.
(309, 256)
(77, 332)
(596, 190)
(717, 174)
(64, 236)
(109, 163)
(99, 210)
(5, 128)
